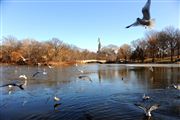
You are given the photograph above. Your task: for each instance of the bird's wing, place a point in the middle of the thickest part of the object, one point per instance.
(89, 78)
(154, 107)
(146, 10)
(80, 70)
(36, 73)
(5, 85)
(134, 24)
(142, 107)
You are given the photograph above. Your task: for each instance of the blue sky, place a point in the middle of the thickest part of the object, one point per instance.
(81, 22)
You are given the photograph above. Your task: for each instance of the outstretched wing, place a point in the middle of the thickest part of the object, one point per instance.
(154, 107)
(85, 78)
(36, 73)
(142, 107)
(134, 24)
(146, 10)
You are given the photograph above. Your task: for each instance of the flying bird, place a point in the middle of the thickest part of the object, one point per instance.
(84, 77)
(50, 66)
(148, 110)
(151, 69)
(10, 85)
(43, 72)
(146, 20)
(176, 86)
(56, 99)
(23, 76)
(23, 58)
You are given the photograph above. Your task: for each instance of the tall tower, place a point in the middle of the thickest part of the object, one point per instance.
(99, 45)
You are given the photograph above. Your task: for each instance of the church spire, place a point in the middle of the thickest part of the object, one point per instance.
(99, 45)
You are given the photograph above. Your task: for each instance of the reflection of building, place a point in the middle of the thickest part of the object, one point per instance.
(99, 45)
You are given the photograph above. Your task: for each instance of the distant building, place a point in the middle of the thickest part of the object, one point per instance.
(99, 45)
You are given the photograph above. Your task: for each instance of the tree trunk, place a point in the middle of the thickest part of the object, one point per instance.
(178, 51)
(172, 53)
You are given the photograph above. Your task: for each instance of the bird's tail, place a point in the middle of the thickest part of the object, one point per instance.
(152, 23)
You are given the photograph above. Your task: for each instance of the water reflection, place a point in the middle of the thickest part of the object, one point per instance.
(112, 94)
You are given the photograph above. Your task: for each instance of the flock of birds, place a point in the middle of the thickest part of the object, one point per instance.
(22, 82)
(144, 21)
(147, 109)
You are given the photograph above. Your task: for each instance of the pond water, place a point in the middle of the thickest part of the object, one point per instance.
(111, 94)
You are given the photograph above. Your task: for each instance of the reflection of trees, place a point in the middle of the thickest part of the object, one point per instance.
(112, 73)
(162, 77)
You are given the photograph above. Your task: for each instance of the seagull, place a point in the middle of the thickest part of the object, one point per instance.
(151, 69)
(56, 98)
(50, 66)
(80, 70)
(10, 85)
(84, 77)
(39, 64)
(145, 21)
(176, 86)
(148, 110)
(43, 72)
(23, 76)
(145, 97)
(25, 79)
(23, 58)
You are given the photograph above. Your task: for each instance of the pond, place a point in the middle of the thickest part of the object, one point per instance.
(110, 92)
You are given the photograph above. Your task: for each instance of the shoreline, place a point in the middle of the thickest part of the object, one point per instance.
(75, 62)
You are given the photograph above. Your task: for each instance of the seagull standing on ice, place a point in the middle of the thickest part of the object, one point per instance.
(146, 20)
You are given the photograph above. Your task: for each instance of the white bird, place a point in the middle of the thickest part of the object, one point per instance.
(23, 76)
(176, 86)
(23, 58)
(149, 109)
(80, 70)
(151, 69)
(39, 64)
(56, 98)
(50, 66)
(145, 97)
(146, 20)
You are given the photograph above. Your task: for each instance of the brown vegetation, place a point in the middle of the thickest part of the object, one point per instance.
(155, 47)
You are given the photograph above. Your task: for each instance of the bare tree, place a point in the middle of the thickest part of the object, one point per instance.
(152, 44)
(178, 42)
(162, 43)
(124, 52)
(171, 39)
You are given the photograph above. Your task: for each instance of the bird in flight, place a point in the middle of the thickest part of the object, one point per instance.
(146, 20)
(10, 85)
(176, 86)
(43, 72)
(149, 109)
(84, 77)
